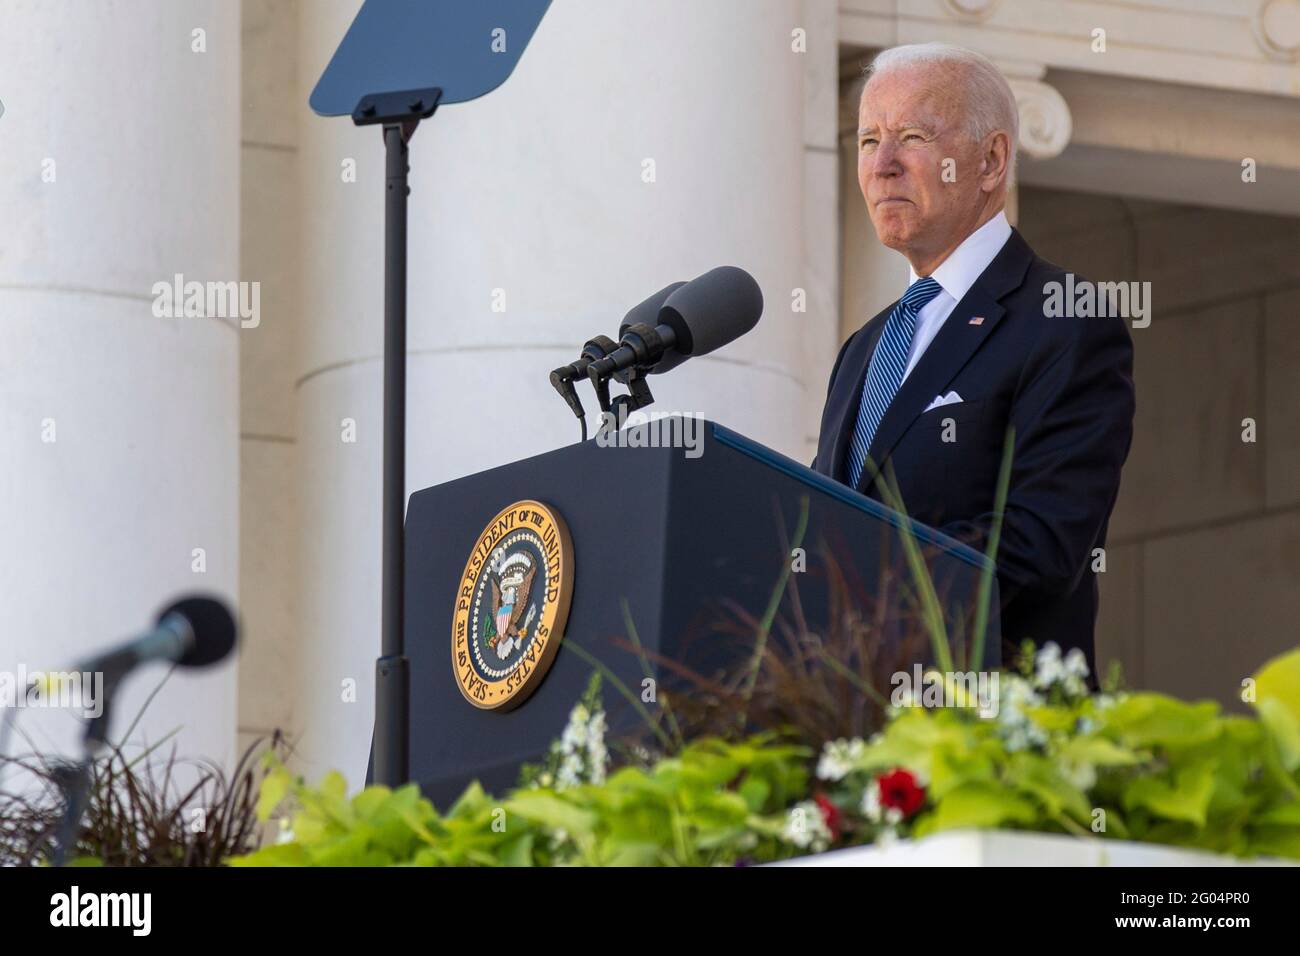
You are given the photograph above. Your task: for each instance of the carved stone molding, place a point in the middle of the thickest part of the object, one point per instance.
(1045, 122)
(973, 10)
(1276, 25)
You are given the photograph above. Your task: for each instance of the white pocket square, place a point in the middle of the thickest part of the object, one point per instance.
(952, 398)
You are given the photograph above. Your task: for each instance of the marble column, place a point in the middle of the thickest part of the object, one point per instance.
(119, 428)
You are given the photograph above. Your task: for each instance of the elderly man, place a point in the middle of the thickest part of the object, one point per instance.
(927, 389)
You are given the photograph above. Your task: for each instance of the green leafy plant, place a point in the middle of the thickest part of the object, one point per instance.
(1139, 766)
(714, 802)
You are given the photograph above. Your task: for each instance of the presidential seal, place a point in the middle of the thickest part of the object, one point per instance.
(512, 606)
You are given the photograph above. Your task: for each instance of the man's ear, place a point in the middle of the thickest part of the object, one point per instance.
(995, 156)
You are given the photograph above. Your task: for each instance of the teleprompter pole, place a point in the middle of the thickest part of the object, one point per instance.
(392, 670)
(399, 114)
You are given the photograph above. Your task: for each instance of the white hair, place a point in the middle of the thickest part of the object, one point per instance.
(990, 104)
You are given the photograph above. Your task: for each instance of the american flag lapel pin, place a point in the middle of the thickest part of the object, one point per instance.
(978, 320)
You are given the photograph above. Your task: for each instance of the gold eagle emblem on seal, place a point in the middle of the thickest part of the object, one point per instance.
(511, 605)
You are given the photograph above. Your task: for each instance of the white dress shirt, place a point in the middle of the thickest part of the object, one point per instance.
(955, 276)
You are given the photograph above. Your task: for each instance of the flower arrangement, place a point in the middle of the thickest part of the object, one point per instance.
(1140, 766)
(1053, 758)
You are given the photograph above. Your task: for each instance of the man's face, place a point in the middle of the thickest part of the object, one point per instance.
(910, 121)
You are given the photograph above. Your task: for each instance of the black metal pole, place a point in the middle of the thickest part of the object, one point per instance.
(392, 670)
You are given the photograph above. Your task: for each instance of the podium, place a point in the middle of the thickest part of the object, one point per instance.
(670, 534)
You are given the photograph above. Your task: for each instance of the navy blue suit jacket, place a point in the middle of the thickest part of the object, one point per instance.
(1064, 384)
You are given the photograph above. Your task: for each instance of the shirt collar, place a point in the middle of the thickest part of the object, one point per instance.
(958, 272)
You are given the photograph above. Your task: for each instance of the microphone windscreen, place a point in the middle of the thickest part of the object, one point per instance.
(718, 307)
(215, 631)
(647, 312)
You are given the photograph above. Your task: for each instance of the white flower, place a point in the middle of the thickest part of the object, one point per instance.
(1016, 695)
(805, 828)
(1070, 673)
(581, 750)
(597, 754)
(570, 774)
(871, 808)
(1016, 729)
(839, 757)
(1076, 665)
(574, 737)
(1083, 775)
(1047, 666)
(1075, 674)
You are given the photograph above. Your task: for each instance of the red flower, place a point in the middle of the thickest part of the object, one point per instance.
(899, 790)
(831, 815)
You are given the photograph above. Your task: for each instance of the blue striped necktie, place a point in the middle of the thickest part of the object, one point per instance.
(885, 373)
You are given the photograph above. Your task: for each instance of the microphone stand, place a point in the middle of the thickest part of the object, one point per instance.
(638, 394)
(75, 781)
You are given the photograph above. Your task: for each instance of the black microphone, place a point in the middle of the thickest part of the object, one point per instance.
(562, 378)
(647, 312)
(599, 346)
(196, 631)
(696, 318)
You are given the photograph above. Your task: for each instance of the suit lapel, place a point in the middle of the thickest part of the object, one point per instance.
(958, 339)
